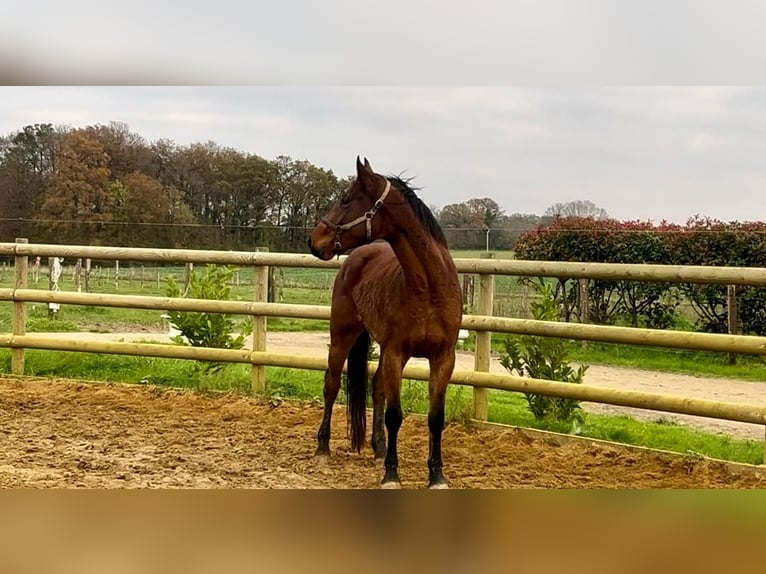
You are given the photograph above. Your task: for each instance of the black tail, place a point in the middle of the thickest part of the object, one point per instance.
(356, 391)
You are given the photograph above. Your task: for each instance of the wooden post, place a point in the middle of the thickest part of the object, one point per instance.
(87, 274)
(584, 301)
(78, 275)
(483, 345)
(731, 315)
(189, 271)
(260, 294)
(35, 269)
(117, 275)
(19, 320)
(468, 292)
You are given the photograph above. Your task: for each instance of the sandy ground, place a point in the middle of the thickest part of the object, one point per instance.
(712, 388)
(57, 433)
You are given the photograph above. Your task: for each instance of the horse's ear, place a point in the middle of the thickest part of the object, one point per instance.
(359, 167)
(364, 173)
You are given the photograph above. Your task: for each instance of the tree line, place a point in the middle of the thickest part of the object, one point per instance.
(107, 185)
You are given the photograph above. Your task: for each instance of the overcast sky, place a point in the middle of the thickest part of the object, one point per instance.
(640, 153)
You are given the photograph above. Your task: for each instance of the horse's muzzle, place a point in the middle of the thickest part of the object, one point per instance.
(318, 253)
(314, 252)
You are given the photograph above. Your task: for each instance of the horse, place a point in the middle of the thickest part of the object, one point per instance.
(399, 287)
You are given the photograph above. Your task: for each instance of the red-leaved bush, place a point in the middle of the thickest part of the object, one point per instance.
(701, 241)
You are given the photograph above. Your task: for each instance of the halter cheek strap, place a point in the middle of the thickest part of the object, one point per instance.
(365, 218)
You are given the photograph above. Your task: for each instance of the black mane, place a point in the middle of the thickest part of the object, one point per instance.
(421, 210)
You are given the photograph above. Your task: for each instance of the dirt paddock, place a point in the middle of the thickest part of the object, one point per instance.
(57, 433)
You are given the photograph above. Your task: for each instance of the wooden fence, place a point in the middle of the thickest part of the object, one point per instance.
(484, 324)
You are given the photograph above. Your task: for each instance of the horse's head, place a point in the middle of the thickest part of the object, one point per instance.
(354, 220)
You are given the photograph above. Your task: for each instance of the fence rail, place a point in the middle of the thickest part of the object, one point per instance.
(484, 324)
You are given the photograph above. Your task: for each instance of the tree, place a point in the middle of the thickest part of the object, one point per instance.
(470, 221)
(579, 208)
(196, 181)
(128, 152)
(242, 192)
(27, 160)
(146, 210)
(78, 196)
(302, 194)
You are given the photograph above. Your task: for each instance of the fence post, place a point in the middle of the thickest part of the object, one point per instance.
(483, 345)
(188, 272)
(468, 292)
(731, 315)
(260, 295)
(87, 274)
(584, 299)
(78, 275)
(19, 320)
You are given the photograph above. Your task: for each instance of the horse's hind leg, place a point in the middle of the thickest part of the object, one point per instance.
(441, 371)
(340, 346)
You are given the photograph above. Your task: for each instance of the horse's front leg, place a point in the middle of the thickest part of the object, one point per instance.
(441, 369)
(390, 372)
(339, 349)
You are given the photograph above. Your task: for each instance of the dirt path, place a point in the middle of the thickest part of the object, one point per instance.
(57, 433)
(713, 388)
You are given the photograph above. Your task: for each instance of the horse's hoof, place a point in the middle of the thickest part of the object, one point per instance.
(321, 459)
(439, 486)
(391, 485)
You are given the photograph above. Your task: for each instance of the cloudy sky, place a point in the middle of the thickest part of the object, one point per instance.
(472, 130)
(640, 153)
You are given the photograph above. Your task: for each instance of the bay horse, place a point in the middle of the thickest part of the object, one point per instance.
(402, 292)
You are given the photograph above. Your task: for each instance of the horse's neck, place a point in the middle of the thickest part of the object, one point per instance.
(426, 264)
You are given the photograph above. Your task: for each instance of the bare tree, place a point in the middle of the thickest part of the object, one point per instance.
(579, 208)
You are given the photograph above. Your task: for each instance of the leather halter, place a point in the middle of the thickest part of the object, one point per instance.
(364, 218)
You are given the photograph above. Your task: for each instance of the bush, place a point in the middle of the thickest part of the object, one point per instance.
(207, 329)
(701, 241)
(545, 358)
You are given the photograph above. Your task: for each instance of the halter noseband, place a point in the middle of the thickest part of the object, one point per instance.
(364, 218)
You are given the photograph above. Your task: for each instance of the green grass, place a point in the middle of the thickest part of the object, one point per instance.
(510, 408)
(279, 324)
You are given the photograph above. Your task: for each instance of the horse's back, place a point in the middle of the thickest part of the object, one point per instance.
(370, 260)
(370, 289)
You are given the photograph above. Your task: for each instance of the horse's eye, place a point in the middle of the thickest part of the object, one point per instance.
(344, 200)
